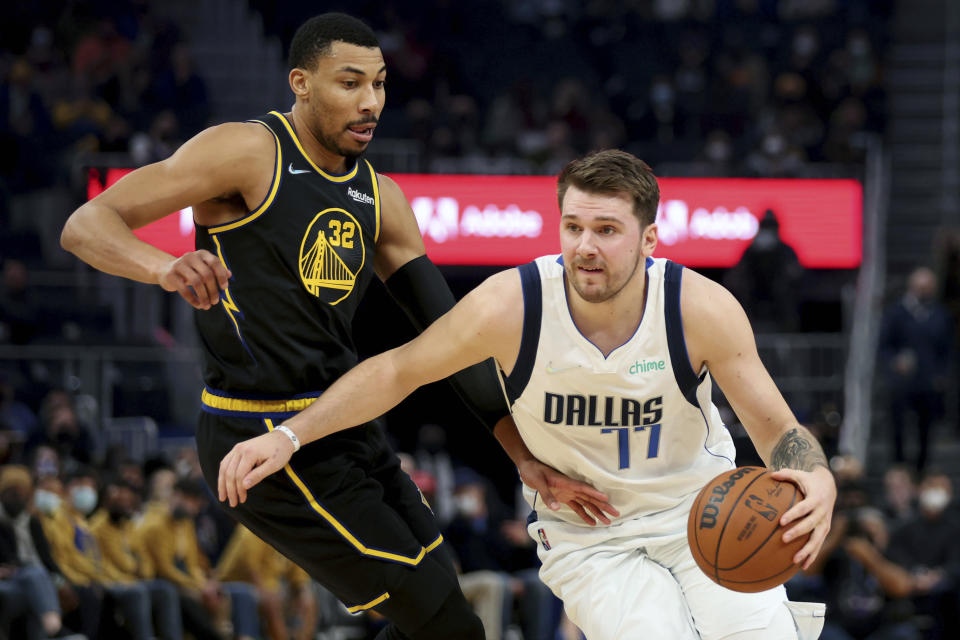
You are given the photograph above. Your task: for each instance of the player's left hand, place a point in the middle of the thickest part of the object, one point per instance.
(812, 514)
(555, 488)
(249, 462)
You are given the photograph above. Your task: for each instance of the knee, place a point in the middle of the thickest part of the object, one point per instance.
(454, 619)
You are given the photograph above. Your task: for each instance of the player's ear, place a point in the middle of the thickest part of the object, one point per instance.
(649, 238)
(298, 83)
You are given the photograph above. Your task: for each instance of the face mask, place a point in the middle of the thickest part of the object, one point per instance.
(46, 501)
(765, 239)
(183, 468)
(47, 467)
(934, 499)
(14, 505)
(118, 514)
(84, 499)
(179, 513)
(468, 504)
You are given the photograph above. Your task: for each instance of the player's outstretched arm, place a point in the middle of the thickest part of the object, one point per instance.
(486, 323)
(719, 337)
(226, 160)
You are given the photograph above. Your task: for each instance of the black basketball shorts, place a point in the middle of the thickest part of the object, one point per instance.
(342, 509)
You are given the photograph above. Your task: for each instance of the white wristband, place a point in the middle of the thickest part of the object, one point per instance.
(290, 434)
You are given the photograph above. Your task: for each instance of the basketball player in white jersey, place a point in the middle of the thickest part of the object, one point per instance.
(608, 357)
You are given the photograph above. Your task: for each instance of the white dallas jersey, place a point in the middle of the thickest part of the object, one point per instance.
(637, 424)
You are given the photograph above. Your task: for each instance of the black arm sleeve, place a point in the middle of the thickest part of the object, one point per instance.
(420, 290)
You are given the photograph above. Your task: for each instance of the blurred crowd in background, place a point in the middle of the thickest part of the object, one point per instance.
(747, 87)
(95, 542)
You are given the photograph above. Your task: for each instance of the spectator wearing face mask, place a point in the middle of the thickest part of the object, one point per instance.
(497, 560)
(125, 560)
(927, 547)
(767, 278)
(76, 550)
(899, 494)
(866, 593)
(81, 598)
(27, 569)
(62, 431)
(916, 339)
(44, 462)
(169, 535)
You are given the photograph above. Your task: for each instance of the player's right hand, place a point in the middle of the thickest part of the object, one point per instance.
(555, 488)
(197, 276)
(249, 462)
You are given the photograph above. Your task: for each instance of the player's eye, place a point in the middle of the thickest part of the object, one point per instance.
(379, 84)
(349, 84)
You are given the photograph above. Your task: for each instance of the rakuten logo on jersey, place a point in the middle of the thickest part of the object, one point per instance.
(442, 219)
(676, 224)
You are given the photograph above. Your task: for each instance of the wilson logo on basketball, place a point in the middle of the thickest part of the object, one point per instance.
(708, 515)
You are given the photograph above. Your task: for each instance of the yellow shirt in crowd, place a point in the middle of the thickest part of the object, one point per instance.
(121, 548)
(249, 559)
(74, 547)
(172, 548)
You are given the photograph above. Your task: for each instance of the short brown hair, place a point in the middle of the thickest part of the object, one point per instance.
(613, 171)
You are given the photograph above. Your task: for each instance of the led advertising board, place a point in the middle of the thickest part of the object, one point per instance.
(509, 220)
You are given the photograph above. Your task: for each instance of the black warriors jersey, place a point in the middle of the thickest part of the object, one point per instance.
(300, 263)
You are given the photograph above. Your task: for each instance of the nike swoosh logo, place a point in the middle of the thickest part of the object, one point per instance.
(295, 171)
(552, 369)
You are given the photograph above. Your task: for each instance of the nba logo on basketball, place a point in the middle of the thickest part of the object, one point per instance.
(543, 539)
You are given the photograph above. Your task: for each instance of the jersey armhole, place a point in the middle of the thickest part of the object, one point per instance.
(375, 183)
(517, 381)
(686, 377)
(271, 193)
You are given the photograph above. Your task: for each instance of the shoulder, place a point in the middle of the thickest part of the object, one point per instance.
(390, 192)
(232, 139)
(704, 301)
(505, 284)
(714, 323)
(498, 301)
(498, 291)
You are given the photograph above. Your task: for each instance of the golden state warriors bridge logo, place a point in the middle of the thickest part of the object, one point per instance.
(331, 255)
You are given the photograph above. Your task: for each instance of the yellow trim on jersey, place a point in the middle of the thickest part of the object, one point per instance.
(229, 306)
(296, 141)
(372, 603)
(376, 201)
(253, 215)
(433, 545)
(255, 406)
(342, 530)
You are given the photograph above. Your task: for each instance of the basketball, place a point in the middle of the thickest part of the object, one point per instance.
(734, 530)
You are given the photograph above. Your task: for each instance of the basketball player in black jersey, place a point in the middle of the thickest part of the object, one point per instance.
(291, 226)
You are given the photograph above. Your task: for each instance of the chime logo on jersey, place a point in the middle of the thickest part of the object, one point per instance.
(332, 253)
(643, 366)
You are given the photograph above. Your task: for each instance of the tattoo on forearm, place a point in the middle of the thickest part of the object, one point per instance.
(797, 450)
